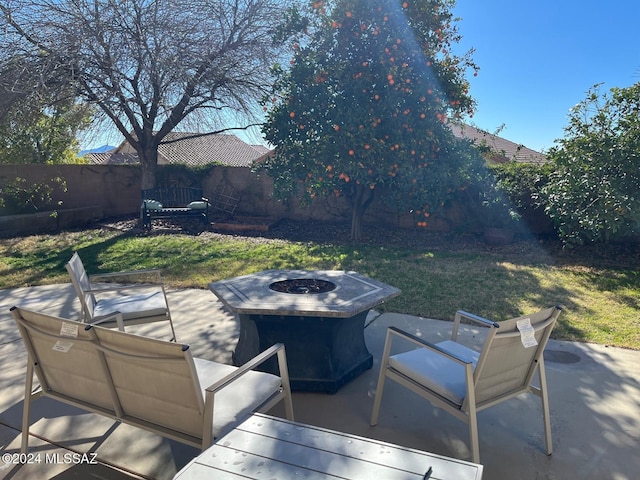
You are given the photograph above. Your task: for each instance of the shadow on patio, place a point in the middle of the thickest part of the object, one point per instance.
(594, 391)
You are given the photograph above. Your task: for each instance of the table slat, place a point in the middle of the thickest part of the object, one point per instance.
(253, 454)
(362, 449)
(273, 448)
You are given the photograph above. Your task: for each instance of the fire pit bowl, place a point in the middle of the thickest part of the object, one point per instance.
(318, 315)
(302, 286)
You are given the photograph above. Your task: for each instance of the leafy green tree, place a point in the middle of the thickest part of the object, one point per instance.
(33, 134)
(364, 108)
(594, 193)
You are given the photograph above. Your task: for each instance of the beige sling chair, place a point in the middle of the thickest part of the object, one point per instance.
(148, 383)
(138, 303)
(462, 381)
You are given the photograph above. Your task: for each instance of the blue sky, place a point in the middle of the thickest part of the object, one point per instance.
(538, 58)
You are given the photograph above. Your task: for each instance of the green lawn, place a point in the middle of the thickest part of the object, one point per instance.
(601, 297)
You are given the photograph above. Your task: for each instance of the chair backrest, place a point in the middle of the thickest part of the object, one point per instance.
(136, 379)
(81, 285)
(505, 366)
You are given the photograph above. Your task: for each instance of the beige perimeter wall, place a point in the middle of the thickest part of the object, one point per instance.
(116, 190)
(99, 191)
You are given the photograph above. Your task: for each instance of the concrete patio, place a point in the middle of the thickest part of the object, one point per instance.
(594, 395)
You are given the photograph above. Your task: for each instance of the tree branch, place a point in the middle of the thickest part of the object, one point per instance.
(199, 135)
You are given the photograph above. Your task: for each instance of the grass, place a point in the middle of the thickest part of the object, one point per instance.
(601, 298)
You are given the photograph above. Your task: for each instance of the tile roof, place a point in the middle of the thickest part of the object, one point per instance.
(183, 148)
(229, 150)
(112, 158)
(503, 150)
(223, 149)
(262, 149)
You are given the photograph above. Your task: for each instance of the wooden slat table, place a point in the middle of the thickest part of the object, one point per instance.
(265, 447)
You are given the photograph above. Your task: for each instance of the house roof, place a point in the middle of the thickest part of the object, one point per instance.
(112, 158)
(262, 149)
(502, 150)
(183, 148)
(224, 149)
(187, 149)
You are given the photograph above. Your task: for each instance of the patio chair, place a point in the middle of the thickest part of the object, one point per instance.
(148, 383)
(138, 303)
(463, 381)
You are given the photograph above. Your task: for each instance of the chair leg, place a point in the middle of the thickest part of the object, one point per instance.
(166, 302)
(472, 414)
(378, 398)
(26, 409)
(284, 375)
(545, 407)
(120, 322)
(173, 332)
(381, 379)
(473, 435)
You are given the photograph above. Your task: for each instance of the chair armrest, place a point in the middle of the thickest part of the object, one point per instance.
(129, 273)
(117, 288)
(476, 318)
(460, 314)
(210, 392)
(426, 344)
(250, 365)
(108, 318)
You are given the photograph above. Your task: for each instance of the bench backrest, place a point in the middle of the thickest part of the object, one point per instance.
(173, 196)
(138, 380)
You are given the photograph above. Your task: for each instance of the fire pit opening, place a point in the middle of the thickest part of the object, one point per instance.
(302, 286)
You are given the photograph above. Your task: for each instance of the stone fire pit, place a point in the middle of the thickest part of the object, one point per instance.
(318, 315)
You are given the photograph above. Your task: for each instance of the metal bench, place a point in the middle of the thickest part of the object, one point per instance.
(173, 202)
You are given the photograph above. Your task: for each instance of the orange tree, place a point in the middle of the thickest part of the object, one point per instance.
(364, 108)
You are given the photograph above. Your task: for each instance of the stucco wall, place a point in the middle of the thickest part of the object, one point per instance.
(115, 189)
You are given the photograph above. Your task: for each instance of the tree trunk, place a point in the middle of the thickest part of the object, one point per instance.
(149, 166)
(360, 203)
(356, 224)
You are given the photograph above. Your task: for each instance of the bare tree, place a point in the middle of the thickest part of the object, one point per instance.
(147, 64)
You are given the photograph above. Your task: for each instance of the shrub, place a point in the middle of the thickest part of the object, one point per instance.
(18, 196)
(521, 185)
